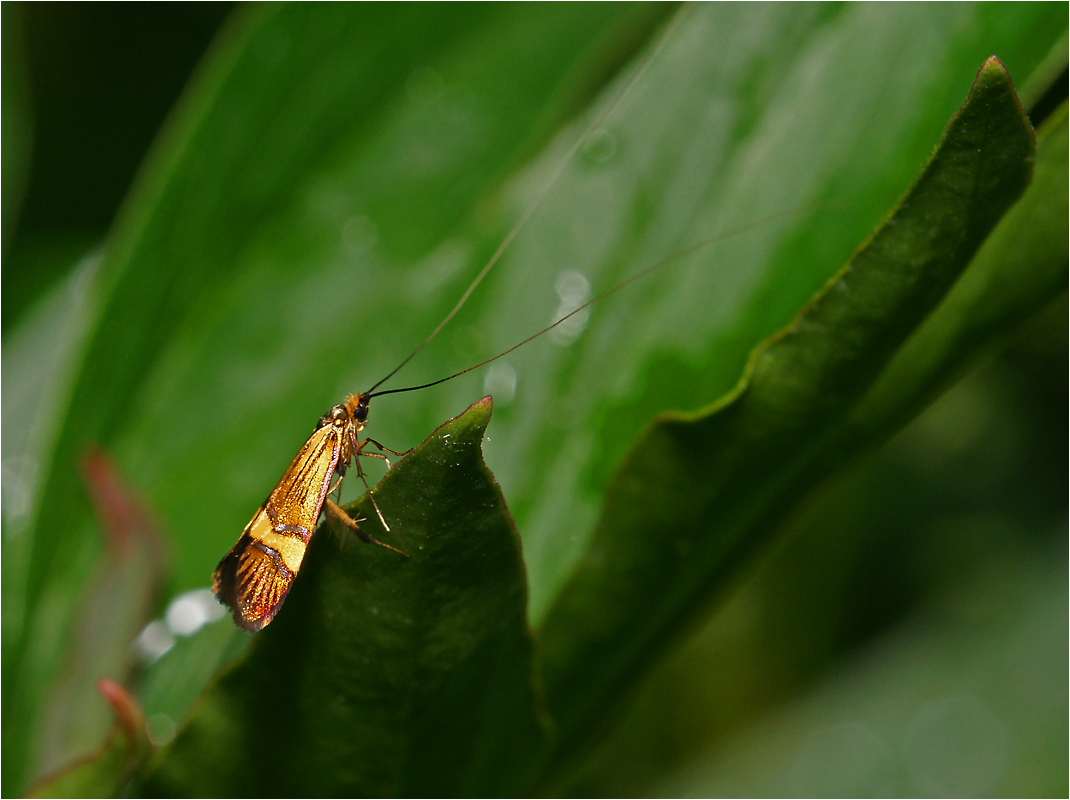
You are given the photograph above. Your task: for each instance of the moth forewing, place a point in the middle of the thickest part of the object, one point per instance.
(255, 576)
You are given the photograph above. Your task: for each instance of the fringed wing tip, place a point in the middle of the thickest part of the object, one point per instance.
(251, 584)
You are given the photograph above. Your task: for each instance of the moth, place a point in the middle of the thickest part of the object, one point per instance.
(254, 578)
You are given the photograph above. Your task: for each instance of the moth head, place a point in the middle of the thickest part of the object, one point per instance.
(356, 407)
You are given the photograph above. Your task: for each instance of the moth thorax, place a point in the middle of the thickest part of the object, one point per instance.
(336, 416)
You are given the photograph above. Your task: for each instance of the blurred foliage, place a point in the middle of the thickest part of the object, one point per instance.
(86, 90)
(326, 186)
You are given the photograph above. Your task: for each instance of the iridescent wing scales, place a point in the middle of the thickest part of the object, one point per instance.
(255, 576)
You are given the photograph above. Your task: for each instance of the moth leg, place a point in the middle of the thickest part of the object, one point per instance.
(339, 514)
(384, 449)
(366, 442)
(374, 455)
(357, 453)
(342, 538)
(338, 485)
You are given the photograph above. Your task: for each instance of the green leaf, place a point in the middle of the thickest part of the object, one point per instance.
(383, 675)
(334, 177)
(242, 243)
(1019, 270)
(698, 494)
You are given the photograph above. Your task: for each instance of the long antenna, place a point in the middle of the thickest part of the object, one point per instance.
(535, 203)
(641, 274)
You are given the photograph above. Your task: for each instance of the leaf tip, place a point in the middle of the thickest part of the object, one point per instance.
(992, 74)
(992, 63)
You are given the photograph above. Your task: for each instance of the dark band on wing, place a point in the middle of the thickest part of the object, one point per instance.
(280, 566)
(252, 581)
(296, 531)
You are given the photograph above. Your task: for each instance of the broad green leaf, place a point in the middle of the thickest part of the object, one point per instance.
(699, 493)
(242, 244)
(924, 514)
(383, 675)
(334, 177)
